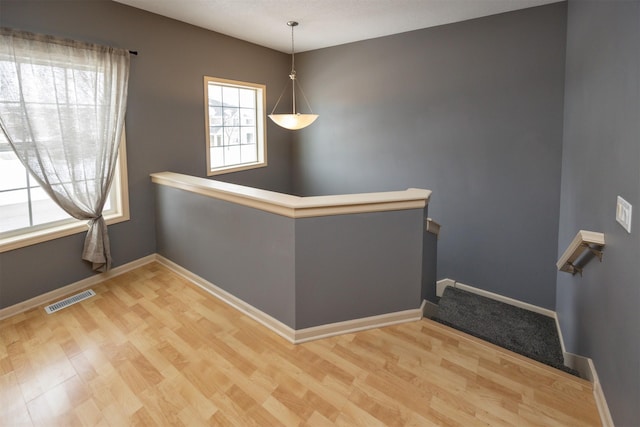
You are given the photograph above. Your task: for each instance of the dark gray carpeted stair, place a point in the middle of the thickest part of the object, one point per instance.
(522, 331)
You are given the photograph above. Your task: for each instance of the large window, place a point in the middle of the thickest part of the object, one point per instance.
(235, 128)
(27, 214)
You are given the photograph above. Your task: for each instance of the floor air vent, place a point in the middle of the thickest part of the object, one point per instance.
(69, 301)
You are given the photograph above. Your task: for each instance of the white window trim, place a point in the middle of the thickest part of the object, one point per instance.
(120, 214)
(261, 126)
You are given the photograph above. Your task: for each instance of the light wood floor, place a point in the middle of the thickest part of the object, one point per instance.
(152, 349)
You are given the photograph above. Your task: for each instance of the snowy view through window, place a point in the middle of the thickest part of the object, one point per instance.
(24, 205)
(234, 119)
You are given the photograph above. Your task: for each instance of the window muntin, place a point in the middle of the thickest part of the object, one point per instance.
(27, 213)
(235, 125)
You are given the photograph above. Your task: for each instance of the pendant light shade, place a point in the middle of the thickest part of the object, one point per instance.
(294, 120)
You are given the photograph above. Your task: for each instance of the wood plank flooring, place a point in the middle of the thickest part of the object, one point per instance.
(153, 349)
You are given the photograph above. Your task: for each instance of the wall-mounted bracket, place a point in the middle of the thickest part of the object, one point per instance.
(597, 252)
(584, 240)
(432, 227)
(573, 269)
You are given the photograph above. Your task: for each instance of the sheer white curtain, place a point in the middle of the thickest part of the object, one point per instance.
(64, 120)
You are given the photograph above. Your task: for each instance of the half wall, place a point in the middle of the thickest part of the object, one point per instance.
(304, 261)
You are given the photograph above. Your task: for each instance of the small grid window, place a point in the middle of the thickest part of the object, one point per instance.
(235, 131)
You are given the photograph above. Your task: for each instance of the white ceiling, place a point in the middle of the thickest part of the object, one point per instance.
(323, 23)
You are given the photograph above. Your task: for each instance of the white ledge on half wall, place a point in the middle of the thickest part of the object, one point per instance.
(295, 206)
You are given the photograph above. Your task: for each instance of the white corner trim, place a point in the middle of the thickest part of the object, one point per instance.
(442, 284)
(73, 287)
(259, 316)
(562, 347)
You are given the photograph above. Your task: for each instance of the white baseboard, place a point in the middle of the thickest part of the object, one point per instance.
(601, 401)
(290, 334)
(442, 284)
(295, 336)
(587, 370)
(259, 316)
(355, 325)
(73, 287)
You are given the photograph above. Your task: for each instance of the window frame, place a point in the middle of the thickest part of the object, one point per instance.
(57, 229)
(261, 125)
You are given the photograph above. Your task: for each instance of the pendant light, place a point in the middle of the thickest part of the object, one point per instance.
(295, 120)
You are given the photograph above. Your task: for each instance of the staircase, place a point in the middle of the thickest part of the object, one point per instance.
(522, 331)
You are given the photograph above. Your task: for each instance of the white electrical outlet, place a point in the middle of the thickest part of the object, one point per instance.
(623, 213)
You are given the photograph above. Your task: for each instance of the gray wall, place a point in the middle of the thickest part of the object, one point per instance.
(247, 252)
(355, 266)
(599, 312)
(165, 122)
(429, 266)
(472, 111)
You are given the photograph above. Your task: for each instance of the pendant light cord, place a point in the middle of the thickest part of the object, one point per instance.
(293, 77)
(293, 54)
